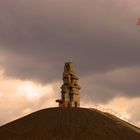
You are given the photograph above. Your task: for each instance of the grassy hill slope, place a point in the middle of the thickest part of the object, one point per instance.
(69, 124)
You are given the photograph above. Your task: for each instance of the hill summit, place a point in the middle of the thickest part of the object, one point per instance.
(69, 124)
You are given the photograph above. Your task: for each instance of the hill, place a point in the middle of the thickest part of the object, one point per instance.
(69, 124)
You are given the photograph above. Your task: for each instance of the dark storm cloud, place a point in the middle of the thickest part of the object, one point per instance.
(37, 37)
(102, 87)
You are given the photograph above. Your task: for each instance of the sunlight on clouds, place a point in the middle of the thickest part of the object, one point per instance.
(1, 72)
(27, 111)
(31, 90)
(1, 94)
(19, 98)
(121, 106)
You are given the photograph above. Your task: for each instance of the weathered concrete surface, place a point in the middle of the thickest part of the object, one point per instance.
(67, 124)
(70, 88)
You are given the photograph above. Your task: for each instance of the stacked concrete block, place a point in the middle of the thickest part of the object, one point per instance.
(70, 88)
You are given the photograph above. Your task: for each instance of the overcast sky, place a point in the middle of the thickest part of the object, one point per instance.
(100, 37)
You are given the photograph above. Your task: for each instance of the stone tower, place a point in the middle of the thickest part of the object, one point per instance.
(70, 88)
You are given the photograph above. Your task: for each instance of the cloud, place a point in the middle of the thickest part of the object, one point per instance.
(123, 82)
(36, 41)
(19, 98)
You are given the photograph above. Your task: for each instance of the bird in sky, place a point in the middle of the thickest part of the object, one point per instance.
(138, 22)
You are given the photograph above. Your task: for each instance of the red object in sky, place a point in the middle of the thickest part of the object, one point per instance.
(138, 23)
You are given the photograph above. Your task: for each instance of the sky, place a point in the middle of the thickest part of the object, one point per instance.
(100, 37)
